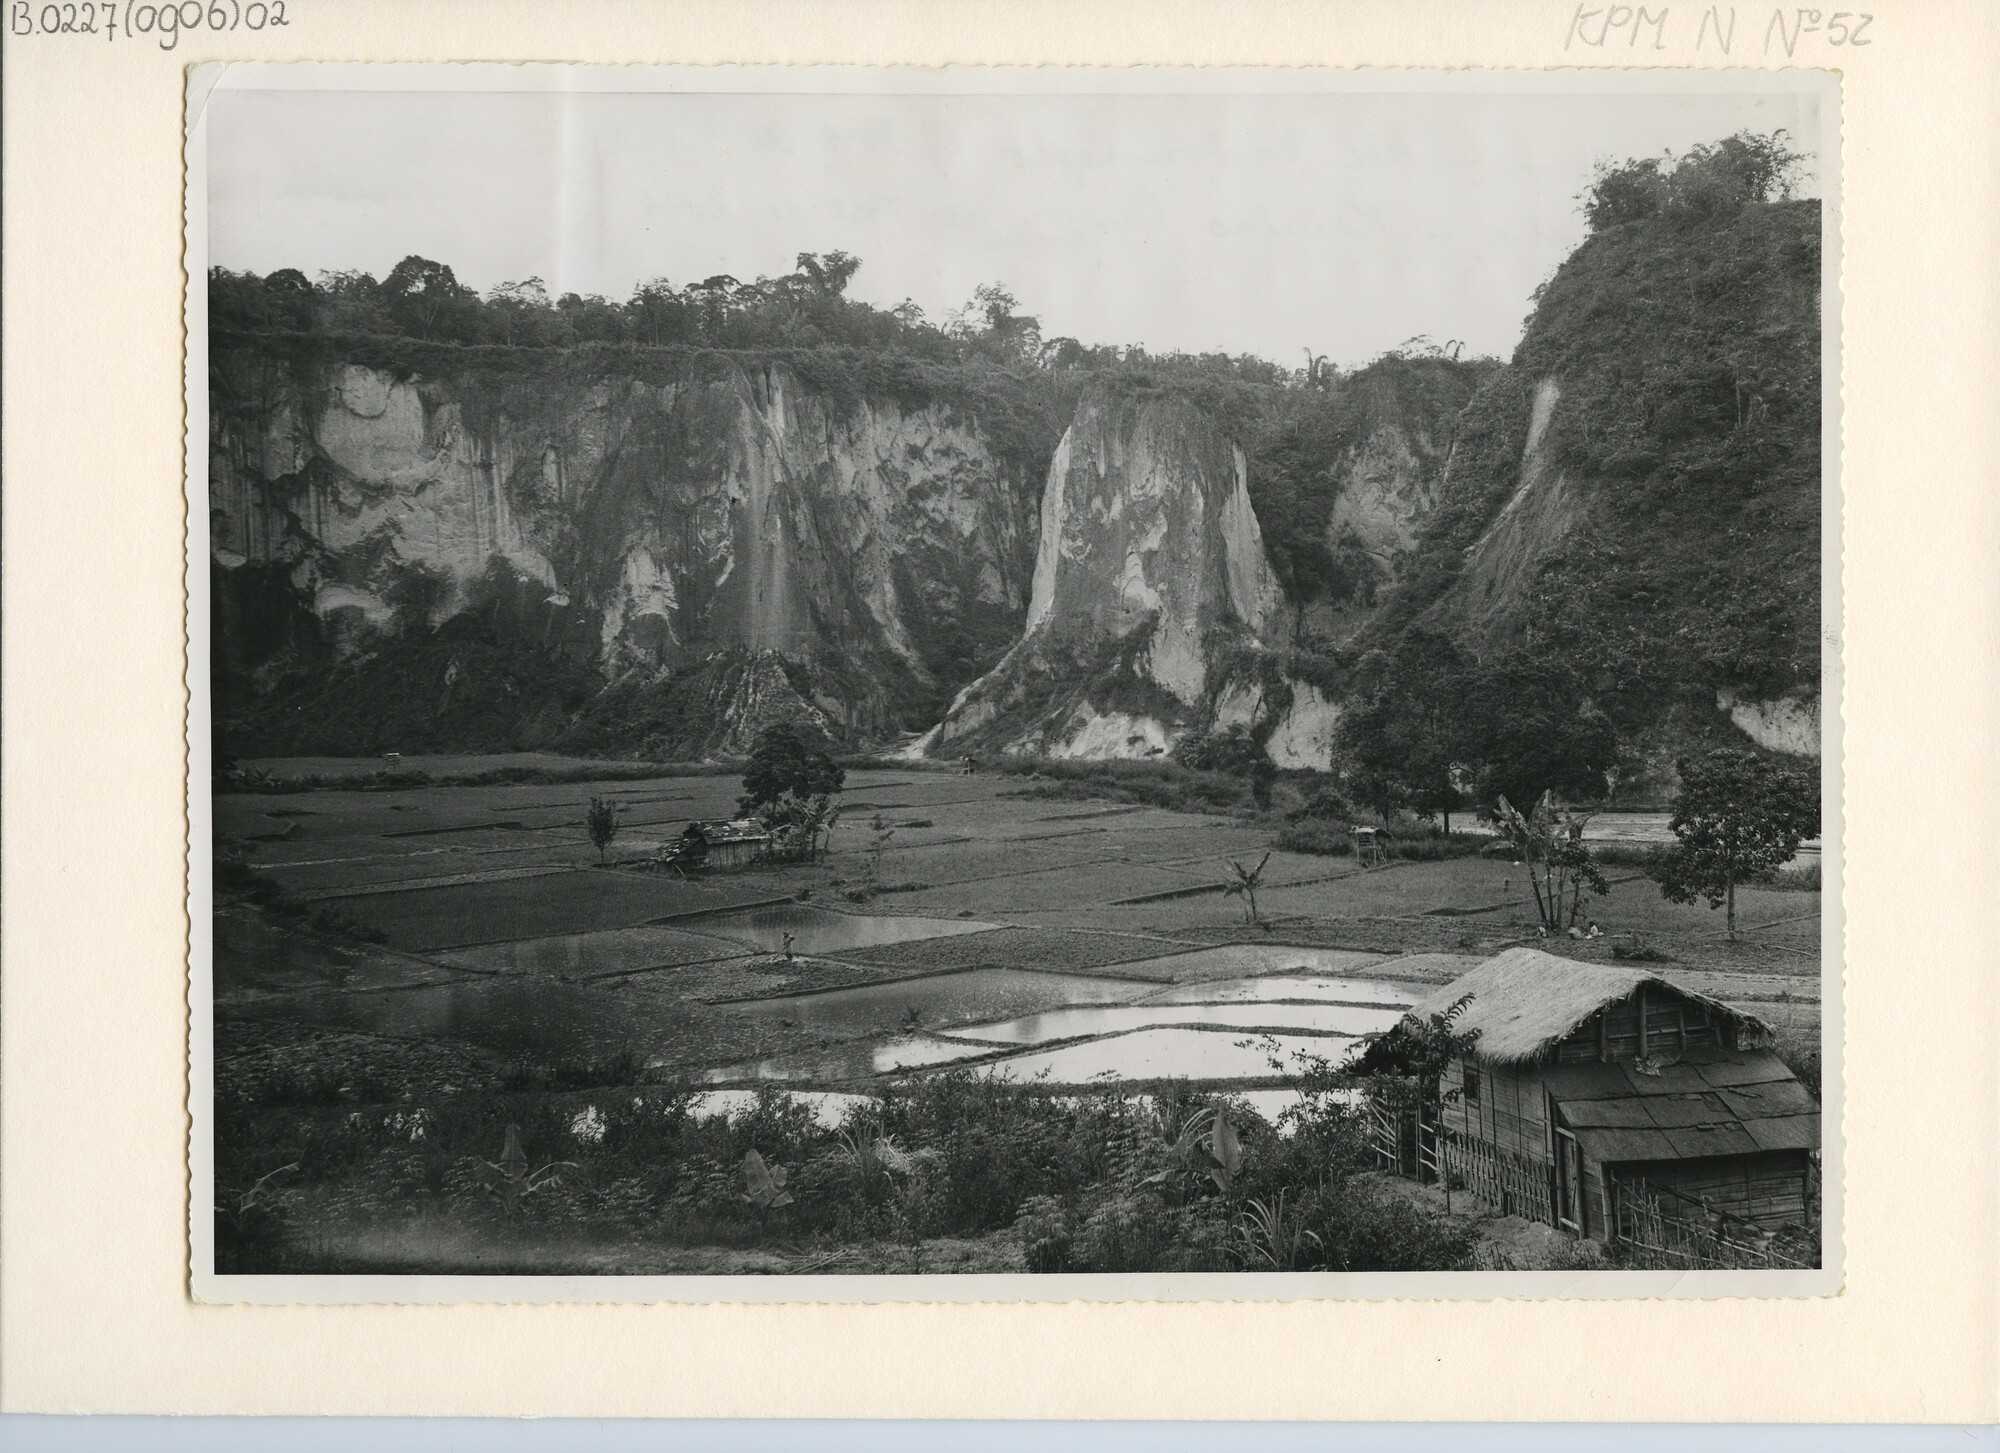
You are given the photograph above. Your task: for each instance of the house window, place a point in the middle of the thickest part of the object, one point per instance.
(1471, 1084)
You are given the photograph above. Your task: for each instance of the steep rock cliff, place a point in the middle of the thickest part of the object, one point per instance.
(1150, 573)
(1637, 494)
(658, 553)
(1357, 466)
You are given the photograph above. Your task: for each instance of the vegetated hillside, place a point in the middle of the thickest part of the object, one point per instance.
(425, 546)
(1637, 494)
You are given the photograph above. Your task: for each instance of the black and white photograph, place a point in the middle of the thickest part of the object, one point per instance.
(1022, 683)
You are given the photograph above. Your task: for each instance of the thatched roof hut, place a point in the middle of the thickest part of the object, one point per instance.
(1526, 1002)
(724, 844)
(1586, 1078)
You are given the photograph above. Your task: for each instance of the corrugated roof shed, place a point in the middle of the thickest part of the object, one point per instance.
(1711, 1102)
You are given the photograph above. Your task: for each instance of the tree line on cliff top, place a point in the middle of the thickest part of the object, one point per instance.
(808, 307)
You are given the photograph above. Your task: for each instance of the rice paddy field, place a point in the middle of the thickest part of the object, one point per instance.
(416, 947)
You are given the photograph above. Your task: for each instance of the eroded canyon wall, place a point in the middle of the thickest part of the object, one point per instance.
(647, 534)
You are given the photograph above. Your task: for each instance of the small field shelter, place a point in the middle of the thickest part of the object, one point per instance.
(1588, 1080)
(723, 844)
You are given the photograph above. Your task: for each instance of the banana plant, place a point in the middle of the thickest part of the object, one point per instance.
(1206, 1146)
(1226, 1150)
(764, 1185)
(1550, 843)
(1243, 884)
(509, 1181)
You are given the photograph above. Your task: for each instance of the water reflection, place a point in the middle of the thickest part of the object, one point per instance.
(1652, 828)
(817, 931)
(829, 1107)
(851, 1061)
(1343, 1019)
(939, 998)
(1196, 1054)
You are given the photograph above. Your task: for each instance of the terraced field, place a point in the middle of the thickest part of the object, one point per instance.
(501, 933)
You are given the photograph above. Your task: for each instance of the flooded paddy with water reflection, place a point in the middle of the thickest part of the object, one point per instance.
(1345, 1019)
(818, 931)
(940, 999)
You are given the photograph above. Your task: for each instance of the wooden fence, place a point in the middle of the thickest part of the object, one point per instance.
(1511, 1183)
(1657, 1227)
(1409, 1142)
(1405, 1140)
(1654, 1227)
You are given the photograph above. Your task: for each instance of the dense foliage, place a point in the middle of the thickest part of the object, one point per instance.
(496, 676)
(782, 762)
(1180, 1180)
(1434, 729)
(1712, 182)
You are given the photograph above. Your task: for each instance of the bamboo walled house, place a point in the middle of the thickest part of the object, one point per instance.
(1588, 1080)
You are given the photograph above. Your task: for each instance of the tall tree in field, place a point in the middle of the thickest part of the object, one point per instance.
(602, 821)
(1738, 818)
(782, 761)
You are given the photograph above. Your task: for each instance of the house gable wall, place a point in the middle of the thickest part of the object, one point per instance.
(1672, 1023)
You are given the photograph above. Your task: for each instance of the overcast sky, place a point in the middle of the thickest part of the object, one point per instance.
(1262, 224)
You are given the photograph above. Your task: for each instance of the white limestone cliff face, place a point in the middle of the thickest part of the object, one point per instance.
(1787, 724)
(1150, 562)
(1386, 496)
(1389, 487)
(1501, 565)
(655, 521)
(369, 476)
(1304, 733)
(1301, 734)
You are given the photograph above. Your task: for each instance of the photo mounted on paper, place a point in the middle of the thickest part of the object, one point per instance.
(880, 684)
